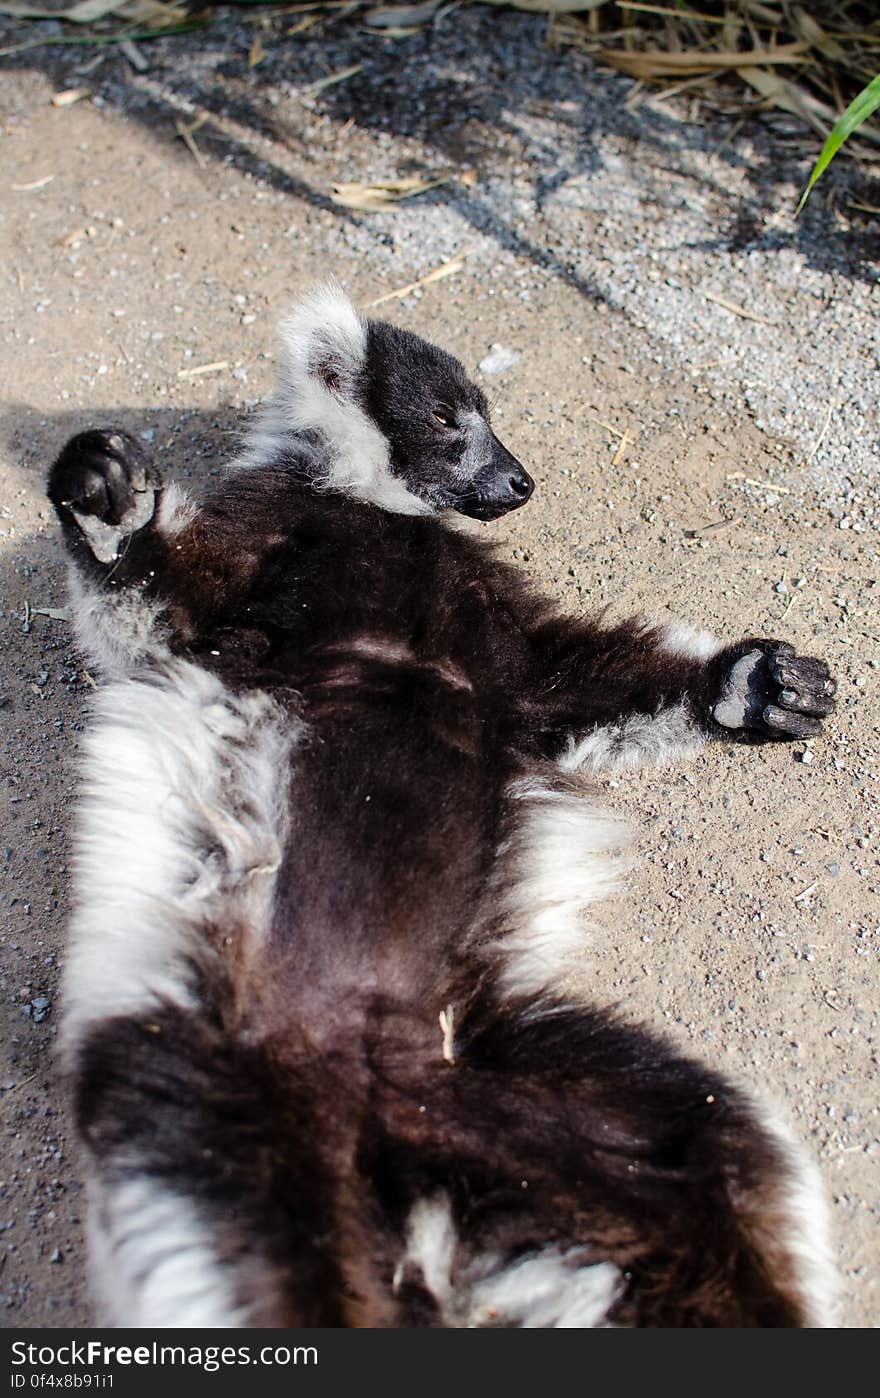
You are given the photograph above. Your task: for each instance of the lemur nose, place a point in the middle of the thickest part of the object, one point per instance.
(521, 485)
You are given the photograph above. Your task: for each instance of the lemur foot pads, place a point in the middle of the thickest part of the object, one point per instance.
(776, 692)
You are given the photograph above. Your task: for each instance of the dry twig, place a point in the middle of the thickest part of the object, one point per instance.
(446, 269)
(738, 310)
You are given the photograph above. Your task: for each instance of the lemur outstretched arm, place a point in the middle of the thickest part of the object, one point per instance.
(597, 697)
(618, 696)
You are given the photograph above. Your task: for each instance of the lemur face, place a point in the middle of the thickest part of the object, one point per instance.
(436, 423)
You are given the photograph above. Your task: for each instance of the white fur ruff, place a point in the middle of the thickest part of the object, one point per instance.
(153, 1263)
(681, 638)
(634, 742)
(182, 822)
(551, 1289)
(564, 854)
(804, 1232)
(117, 629)
(176, 511)
(326, 330)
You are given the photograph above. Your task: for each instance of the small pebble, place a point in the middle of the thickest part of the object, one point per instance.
(39, 1008)
(498, 360)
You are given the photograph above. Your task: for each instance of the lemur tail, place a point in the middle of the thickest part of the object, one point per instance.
(512, 1165)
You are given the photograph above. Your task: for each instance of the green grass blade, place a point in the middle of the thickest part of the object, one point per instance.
(861, 107)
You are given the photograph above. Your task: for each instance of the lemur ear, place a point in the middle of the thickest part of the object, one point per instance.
(325, 342)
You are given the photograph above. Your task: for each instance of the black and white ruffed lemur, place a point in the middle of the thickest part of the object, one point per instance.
(335, 845)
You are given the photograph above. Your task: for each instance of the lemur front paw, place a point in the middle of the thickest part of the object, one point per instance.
(771, 690)
(104, 484)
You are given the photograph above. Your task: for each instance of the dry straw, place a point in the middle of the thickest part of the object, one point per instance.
(817, 60)
(810, 60)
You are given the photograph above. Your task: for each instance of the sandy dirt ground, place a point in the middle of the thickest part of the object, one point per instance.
(749, 930)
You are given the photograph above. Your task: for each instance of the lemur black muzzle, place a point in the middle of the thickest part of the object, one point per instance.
(502, 486)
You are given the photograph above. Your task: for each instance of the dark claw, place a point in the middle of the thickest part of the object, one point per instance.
(794, 725)
(800, 671)
(809, 702)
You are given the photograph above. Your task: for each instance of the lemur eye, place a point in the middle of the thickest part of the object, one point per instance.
(444, 415)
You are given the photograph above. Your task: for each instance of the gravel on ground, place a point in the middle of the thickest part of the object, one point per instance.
(690, 373)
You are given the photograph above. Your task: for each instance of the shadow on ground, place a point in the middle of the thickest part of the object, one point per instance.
(478, 89)
(44, 696)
